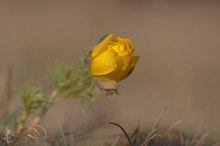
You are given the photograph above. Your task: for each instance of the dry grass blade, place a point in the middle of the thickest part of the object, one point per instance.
(182, 139)
(159, 118)
(216, 144)
(173, 125)
(202, 139)
(150, 138)
(6, 117)
(123, 130)
(62, 135)
(115, 143)
(156, 124)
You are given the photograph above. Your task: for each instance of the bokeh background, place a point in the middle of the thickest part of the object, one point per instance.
(179, 44)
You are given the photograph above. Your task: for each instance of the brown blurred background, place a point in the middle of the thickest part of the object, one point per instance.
(179, 43)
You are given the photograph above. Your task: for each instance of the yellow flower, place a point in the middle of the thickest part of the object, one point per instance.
(113, 58)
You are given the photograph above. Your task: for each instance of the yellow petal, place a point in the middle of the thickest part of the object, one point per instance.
(104, 63)
(126, 41)
(123, 69)
(120, 49)
(126, 61)
(101, 47)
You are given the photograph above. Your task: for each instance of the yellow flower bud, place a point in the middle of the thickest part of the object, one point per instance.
(113, 58)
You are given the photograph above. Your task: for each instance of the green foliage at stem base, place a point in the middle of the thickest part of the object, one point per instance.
(75, 81)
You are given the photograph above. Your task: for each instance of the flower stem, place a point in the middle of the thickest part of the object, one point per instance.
(20, 122)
